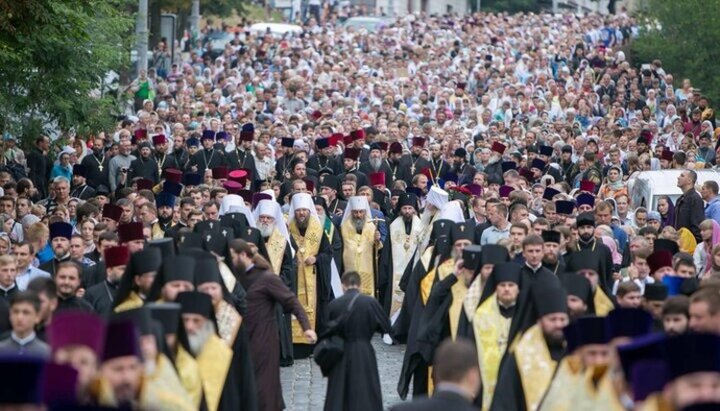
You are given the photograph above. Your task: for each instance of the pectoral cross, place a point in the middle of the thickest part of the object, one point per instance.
(100, 167)
(412, 169)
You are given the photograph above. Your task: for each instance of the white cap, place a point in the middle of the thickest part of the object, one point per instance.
(452, 211)
(272, 209)
(300, 201)
(437, 197)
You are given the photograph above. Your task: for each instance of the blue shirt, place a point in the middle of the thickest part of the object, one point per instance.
(46, 254)
(23, 279)
(620, 236)
(492, 235)
(713, 209)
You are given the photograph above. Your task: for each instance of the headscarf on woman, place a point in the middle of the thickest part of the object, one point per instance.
(686, 241)
(669, 218)
(612, 245)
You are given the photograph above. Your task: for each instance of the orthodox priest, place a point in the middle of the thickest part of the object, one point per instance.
(528, 369)
(314, 259)
(404, 234)
(219, 368)
(208, 157)
(231, 327)
(102, 295)
(491, 325)
(137, 279)
(361, 241)
(280, 255)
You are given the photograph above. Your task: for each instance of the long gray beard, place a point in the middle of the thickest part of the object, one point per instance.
(358, 223)
(375, 163)
(197, 341)
(266, 230)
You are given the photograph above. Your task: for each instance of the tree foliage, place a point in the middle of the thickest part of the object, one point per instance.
(684, 35)
(54, 55)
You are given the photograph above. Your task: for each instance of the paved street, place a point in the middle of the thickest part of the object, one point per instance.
(304, 386)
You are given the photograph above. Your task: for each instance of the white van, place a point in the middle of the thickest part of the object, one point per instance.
(646, 187)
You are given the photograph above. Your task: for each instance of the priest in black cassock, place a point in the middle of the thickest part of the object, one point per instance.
(588, 242)
(350, 162)
(138, 278)
(102, 295)
(376, 162)
(527, 371)
(164, 159)
(145, 165)
(330, 189)
(414, 162)
(417, 285)
(80, 189)
(208, 156)
(323, 157)
(223, 374)
(444, 308)
(354, 383)
(96, 165)
(242, 156)
(60, 234)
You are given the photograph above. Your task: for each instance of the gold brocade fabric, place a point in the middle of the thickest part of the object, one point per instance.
(163, 388)
(229, 321)
(359, 253)
(189, 374)
(535, 366)
(595, 392)
(458, 291)
(214, 363)
(603, 304)
(427, 282)
(654, 402)
(156, 232)
(133, 301)
(568, 380)
(308, 246)
(227, 276)
(491, 337)
(275, 246)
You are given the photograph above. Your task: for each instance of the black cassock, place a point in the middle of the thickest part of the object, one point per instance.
(97, 170)
(362, 178)
(287, 270)
(101, 297)
(72, 303)
(318, 162)
(83, 192)
(353, 383)
(205, 159)
(509, 394)
(145, 168)
(384, 168)
(407, 329)
(242, 159)
(411, 166)
(168, 161)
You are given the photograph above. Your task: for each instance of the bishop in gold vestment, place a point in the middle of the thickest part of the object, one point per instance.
(361, 241)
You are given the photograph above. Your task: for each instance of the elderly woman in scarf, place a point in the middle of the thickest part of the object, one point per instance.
(710, 234)
(614, 184)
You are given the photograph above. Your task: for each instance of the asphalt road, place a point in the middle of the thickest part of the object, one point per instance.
(304, 386)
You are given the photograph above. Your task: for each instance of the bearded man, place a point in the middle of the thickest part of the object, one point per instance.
(361, 240)
(280, 252)
(404, 234)
(376, 162)
(314, 257)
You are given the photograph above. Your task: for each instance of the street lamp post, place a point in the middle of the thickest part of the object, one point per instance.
(195, 18)
(141, 31)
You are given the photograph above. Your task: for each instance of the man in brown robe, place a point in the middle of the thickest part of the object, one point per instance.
(264, 289)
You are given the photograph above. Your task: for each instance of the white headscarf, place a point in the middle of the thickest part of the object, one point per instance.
(437, 197)
(452, 211)
(272, 209)
(357, 203)
(233, 203)
(301, 200)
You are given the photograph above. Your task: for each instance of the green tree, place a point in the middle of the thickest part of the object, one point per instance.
(54, 55)
(684, 35)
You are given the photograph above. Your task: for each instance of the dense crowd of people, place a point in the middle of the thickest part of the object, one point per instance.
(463, 186)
